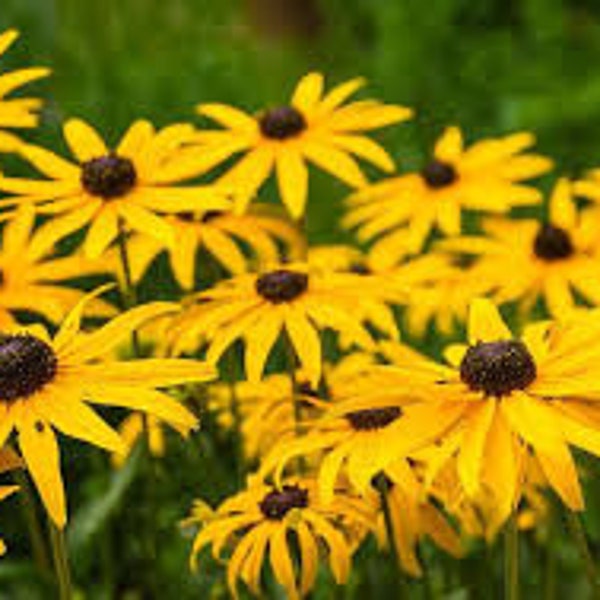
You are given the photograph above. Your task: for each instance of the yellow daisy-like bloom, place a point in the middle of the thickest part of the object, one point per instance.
(17, 112)
(256, 523)
(104, 188)
(402, 211)
(31, 277)
(526, 260)
(503, 398)
(267, 411)
(259, 308)
(223, 236)
(46, 384)
(413, 518)
(313, 127)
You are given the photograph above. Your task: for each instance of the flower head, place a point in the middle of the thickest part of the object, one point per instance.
(128, 187)
(402, 211)
(501, 400)
(314, 127)
(32, 277)
(525, 260)
(47, 384)
(221, 234)
(258, 308)
(256, 523)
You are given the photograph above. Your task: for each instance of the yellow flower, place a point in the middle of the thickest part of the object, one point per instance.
(255, 523)
(46, 384)
(291, 299)
(313, 127)
(130, 431)
(501, 399)
(17, 112)
(8, 462)
(413, 517)
(31, 276)
(266, 408)
(526, 259)
(402, 211)
(108, 189)
(223, 236)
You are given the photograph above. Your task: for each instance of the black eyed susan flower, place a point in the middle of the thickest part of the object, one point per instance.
(133, 184)
(258, 308)
(526, 260)
(46, 384)
(414, 517)
(257, 525)
(32, 277)
(314, 127)
(502, 399)
(267, 407)
(16, 112)
(224, 236)
(402, 211)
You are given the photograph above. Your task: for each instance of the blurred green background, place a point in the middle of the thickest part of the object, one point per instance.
(492, 66)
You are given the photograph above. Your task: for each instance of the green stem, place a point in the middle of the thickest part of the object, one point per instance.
(580, 539)
(511, 559)
(61, 561)
(36, 537)
(550, 568)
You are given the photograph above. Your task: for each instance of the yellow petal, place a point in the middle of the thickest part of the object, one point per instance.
(40, 450)
(485, 323)
(83, 140)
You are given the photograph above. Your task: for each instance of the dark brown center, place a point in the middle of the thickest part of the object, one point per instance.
(552, 243)
(439, 174)
(27, 364)
(282, 123)
(373, 418)
(109, 176)
(282, 285)
(498, 368)
(277, 503)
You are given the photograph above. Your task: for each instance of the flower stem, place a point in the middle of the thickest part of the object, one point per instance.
(61, 561)
(234, 408)
(38, 545)
(511, 559)
(579, 537)
(128, 293)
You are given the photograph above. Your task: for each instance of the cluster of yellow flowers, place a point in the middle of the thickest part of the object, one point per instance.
(370, 438)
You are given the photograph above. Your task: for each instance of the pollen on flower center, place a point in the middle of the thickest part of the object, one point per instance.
(552, 243)
(277, 503)
(281, 285)
(282, 123)
(109, 176)
(439, 174)
(27, 364)
(373, 418)
(498, 368)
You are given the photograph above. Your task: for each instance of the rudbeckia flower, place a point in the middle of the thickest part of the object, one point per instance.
(131, 186)
(501, 399)
(314, 127)
(223, 236)
(525, 260)
(46, 384)
(16, 112)
(258, 308)
(255, 524)
(32, 277)
(402, 211)
(414, 517)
